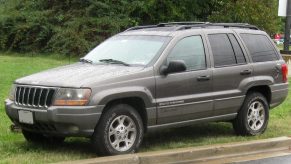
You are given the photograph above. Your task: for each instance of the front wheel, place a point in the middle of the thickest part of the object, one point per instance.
(253, 116)
(120, 131)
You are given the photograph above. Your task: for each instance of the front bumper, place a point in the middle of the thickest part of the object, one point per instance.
(58, 120)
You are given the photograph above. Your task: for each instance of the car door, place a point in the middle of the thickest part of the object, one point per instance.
(185, 95)
(231, 71)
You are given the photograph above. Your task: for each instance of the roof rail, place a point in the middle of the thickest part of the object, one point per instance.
(225, 25)
(241, 25)
(182, 23)
(189, 25)
(169, 24)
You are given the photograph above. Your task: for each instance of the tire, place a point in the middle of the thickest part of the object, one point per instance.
(253, 116)
(120, 131)
(40, 138)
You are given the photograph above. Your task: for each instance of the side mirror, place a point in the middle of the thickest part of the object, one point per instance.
(173, 67)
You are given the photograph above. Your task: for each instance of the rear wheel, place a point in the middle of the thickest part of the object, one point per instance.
(40, 138)
(253, 116)
(120, 131)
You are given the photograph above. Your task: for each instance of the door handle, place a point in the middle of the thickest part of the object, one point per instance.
(203, 78)
(246, 72)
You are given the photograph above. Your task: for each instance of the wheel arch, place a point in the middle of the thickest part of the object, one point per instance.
(139, 98)
(265, 90)
(136, 102)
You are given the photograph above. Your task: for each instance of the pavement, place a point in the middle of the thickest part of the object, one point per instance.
(272, 157)
(284, 159)
(274, 150)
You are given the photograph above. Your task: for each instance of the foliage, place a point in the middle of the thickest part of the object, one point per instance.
(69, 27)
(262, 13)
(75, 26)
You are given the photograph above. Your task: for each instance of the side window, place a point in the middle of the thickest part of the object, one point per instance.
(222, 50)
(260, 48)
(240, 58)
(191, 51)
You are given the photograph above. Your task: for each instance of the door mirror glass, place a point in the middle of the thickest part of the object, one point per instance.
(174, 66)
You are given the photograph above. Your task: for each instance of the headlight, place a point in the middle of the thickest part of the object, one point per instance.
(12, 93)
(72, 97)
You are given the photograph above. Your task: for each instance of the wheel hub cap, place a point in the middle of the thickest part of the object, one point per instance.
(256, 115)
(122, 133)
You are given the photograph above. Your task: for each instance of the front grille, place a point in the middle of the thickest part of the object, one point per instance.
(38, 97)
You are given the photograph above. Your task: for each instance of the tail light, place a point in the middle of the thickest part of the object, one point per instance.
(285, 72)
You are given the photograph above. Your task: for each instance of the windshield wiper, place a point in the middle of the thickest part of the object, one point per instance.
(86, 60)
(113, 61)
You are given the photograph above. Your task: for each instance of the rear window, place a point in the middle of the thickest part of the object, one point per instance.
(222, 51)
(226, 50)
(240, 58)
(260, 47)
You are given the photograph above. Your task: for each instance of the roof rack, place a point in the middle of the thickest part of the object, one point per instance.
(189, 25)
(169, 24)
(182, 23)
(240, 25)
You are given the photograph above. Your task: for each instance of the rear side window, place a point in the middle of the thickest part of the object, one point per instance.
(191, 51)
(240, 58)
(222, 50)
(260, 47)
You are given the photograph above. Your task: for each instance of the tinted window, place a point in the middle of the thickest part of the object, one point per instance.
(191, 51)
(222, 50)
(260, 47)
(240, 58)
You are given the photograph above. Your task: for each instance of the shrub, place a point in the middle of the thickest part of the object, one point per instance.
(73, 27)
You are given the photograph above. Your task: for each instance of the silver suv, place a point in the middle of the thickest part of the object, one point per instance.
(152, 77)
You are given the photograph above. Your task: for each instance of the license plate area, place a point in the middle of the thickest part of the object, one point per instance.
(25, 117)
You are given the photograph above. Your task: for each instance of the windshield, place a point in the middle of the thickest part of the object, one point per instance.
(131, 50)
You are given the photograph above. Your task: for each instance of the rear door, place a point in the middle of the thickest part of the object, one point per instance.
(231, 71)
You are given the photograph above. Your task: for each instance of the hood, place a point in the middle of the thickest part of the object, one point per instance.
(77, 75)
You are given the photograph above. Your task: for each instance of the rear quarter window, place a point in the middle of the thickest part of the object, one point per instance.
(260, 47)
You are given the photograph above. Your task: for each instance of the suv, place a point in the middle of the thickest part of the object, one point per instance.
(152, 77)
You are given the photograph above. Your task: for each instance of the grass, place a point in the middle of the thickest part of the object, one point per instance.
(14, 149)
(281, 47)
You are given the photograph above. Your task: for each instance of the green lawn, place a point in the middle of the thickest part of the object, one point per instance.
(281, 47)
(14, 149)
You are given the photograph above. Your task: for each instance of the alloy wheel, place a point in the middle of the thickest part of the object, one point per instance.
(256, 115)
(122, 133)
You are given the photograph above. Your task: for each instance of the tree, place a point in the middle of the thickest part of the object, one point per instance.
(262, 13)
(76, 26)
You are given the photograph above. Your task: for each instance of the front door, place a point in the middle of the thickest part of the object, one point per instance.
(185, 95)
